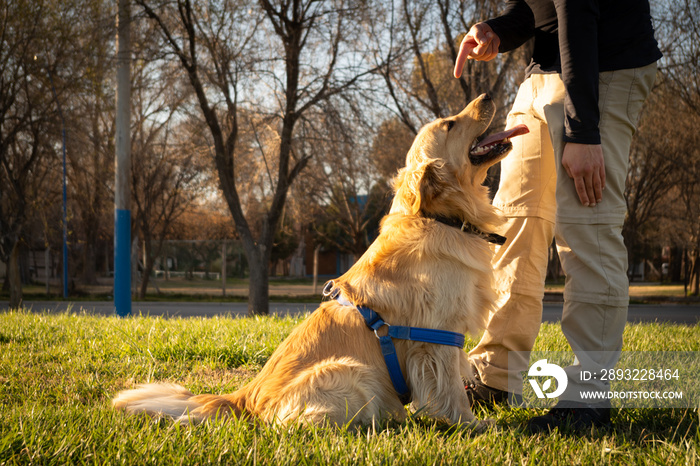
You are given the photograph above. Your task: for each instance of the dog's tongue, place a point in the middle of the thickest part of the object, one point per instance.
(507, 134)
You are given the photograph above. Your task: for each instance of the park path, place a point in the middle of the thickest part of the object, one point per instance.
(688, 314)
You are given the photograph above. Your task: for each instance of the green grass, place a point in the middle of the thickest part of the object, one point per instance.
(59, 372)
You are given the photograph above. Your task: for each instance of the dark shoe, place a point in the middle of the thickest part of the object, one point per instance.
(479, 393)
(571, 415)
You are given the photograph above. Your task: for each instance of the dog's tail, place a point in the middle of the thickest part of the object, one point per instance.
(176, 402)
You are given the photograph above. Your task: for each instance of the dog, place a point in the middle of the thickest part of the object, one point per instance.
(430, 267)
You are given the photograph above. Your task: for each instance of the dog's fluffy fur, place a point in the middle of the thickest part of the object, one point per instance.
(419, 272)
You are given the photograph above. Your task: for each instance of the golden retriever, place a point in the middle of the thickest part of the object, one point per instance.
(421, 271)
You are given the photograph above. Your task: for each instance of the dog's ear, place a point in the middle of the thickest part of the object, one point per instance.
(430, 187)
(417, 187)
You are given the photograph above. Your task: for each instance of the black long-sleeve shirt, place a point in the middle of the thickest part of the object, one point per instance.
(579, 39)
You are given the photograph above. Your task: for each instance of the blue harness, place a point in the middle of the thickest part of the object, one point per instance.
(375, 322)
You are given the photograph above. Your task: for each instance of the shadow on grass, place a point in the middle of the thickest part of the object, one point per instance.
(636, 426)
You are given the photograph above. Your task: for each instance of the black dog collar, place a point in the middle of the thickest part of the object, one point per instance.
(469, 228)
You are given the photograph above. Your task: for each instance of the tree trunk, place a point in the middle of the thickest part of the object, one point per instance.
(259, 284)
(631, 244)
(15, 280)
(696, 272)
(147, 267)
(134, 263)
(47, 275)
(90, 263)
(676, 265)
(223, 268)
(686, 271)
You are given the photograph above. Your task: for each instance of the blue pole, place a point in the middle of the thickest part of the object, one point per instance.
(65, 196)
(122, 262)
(65, 221)
(122, 189)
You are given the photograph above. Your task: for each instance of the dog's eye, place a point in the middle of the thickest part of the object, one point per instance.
(450, 124)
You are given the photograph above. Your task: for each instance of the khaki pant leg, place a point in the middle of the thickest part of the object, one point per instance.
(589, 239)
(526, 196)
(594, 332)
(593, 323)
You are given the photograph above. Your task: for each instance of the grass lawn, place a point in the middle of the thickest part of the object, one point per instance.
(59, 372)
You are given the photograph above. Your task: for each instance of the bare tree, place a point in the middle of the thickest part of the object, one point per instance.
(213, 54)
(417, 50)
(166, 168)
(91, 135)
(653, 174)
(30, 48)
(678, 32)
(683, 71)
(350, 195)
(218, 58)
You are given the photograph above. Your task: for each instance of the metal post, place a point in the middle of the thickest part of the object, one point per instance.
(122, 192)
(65, 195)
(65, 220)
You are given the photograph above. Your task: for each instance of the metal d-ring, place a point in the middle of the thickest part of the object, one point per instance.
(383, 325)
(329, 290)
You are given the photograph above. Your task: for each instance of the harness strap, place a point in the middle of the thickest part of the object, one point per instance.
(437, 337)
(375, 322)
(426, 335)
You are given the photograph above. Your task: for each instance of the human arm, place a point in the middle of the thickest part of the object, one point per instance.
(486, 39)
(583, 157)
(578, 50)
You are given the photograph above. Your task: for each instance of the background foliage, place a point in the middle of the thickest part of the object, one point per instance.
(272, 122)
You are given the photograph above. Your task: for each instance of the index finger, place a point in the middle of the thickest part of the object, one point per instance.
(465, 48)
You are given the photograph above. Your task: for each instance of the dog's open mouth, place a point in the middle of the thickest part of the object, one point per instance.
(494, 145)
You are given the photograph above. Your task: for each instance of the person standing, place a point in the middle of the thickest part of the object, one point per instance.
(593, 65)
